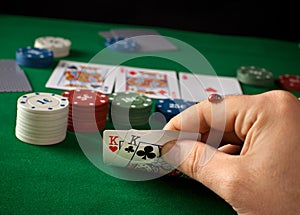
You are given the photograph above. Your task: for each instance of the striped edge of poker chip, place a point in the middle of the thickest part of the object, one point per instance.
(86, 127)
(35, 136)
(41, 116)
(39, 141)
(40, 129)
(42, 134)
(42, 123)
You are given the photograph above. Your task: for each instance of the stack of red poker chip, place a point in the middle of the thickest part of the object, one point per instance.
(88, 110)
(289, 82)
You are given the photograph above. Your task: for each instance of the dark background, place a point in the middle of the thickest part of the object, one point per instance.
(275, 19)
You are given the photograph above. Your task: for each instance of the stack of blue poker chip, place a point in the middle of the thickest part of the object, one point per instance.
(34, 57)
(122, 44)
(171, 107)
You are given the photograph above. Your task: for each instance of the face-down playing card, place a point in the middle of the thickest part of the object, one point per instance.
(13, 78)
(140, 149)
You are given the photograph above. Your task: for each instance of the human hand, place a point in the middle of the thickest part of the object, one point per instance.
(255, 168)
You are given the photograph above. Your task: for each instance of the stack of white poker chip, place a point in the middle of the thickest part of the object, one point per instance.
(60, 46)
(42, 118)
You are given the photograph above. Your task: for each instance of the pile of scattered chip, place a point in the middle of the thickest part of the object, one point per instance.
(122, 44)
(289, 82)
(60, 46)
(255, 76)
(171, 107)
(34, 57)
(88, 110)
(129, 109)
(41, 118)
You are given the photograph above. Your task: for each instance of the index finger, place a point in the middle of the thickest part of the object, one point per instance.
(235, 113)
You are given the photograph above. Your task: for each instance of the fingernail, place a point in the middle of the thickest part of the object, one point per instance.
(170, 153)
(175, 152)
(167, 147)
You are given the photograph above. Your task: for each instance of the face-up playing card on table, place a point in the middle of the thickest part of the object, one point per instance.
(70, 75)
(197, 87)
(150, 82)
(140, 149)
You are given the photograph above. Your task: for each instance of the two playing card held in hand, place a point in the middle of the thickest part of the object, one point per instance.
(140, 149)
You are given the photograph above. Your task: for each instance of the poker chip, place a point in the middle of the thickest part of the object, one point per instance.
(34, 57)
(171, 107)
(88, 110)
(129, 109)
(255, 76)
(41, 118)
(60, 46)
(122, 44)
(86, 98)
(289, 82)
(43, 103)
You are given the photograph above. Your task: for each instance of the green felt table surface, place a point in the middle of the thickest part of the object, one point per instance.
(60, 179)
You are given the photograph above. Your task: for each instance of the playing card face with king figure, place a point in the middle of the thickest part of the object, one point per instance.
(153, 83)
(69, 75)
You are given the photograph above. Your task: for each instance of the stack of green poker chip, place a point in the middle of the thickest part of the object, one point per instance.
(255, 76)
(129, 109)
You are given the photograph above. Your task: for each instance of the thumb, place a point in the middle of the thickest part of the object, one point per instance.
(215, 169)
